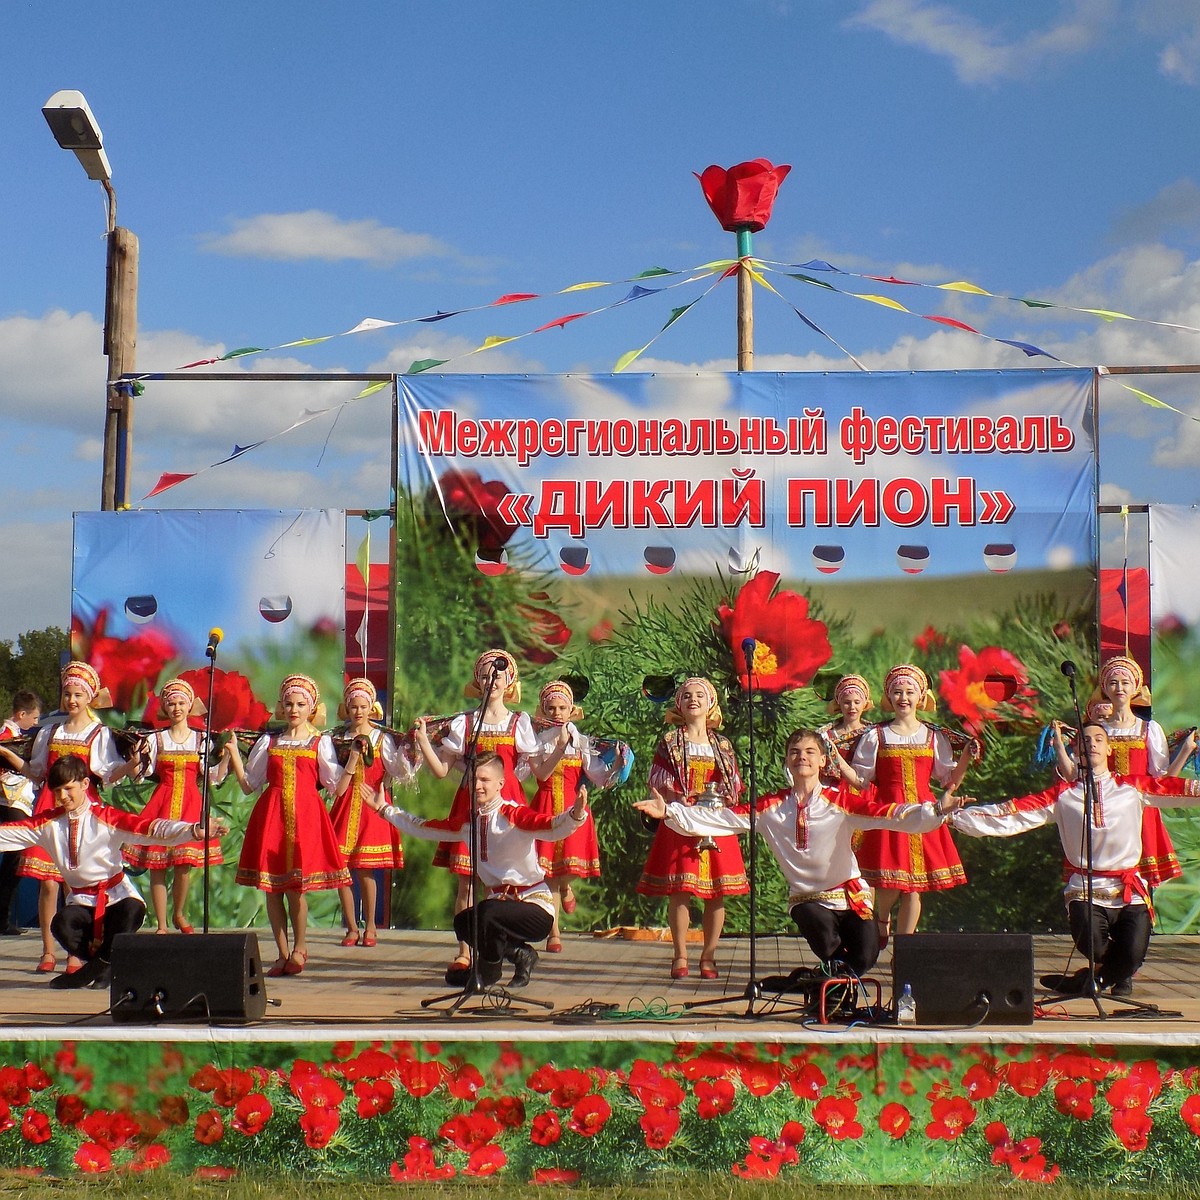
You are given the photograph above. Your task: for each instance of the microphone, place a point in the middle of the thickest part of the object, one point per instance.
(215, 636)
(499, 664)
(1068, 668)
(749, 645)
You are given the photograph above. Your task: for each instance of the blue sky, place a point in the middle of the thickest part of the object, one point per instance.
(292, 168)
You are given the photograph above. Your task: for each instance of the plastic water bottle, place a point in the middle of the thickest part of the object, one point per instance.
(906, 1007)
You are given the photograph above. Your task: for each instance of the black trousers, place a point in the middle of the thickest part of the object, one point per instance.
(8, 868)
(503, 926)
(74, 925)
(838, 936)
(1121, 937)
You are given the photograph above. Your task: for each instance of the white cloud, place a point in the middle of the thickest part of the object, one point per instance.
(1176, 209)
(981, 53)
(1178, 22)
(297, 236)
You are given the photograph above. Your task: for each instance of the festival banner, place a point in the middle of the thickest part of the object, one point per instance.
(629, 531)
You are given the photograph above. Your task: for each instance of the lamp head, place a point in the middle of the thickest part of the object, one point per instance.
(75, 129)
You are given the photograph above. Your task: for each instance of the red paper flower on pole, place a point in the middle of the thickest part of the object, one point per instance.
(789, 646)
(742, 197)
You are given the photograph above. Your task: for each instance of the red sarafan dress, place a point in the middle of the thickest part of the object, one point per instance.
(177, 767)
(902, 768)
(676, 864)
(513, 742)
(366, 840)
(290, 845)
(578, 854)
(96, 747)
(1142, 750)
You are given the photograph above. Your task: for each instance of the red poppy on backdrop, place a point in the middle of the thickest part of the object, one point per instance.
(473, 505)
(838, 1118)
(128, 667)
(551, 1175)
(952, 1117)
(789, 648)
(742, 196)
(894, 1120)
(989, 686)
(1075, 1098)
(548, 633)
(35, 1127)
(375, 1097)
(93, 1159)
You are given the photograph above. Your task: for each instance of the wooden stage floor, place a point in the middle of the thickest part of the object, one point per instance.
(364, 993)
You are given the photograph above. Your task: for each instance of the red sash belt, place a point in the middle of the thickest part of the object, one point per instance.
(1133, 884)
(100, 891)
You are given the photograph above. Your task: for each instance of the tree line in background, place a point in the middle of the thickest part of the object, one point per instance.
(32, 663)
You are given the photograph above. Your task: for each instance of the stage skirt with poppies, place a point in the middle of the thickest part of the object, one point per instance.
(676, 864)
(902, 862)
(176, 798)
(367, 841)
(512, 743)
(578, 854)
(290, 845)
(1129, 754)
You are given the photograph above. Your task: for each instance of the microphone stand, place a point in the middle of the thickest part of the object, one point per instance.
(205, 796)
(497, 998)
(1091, 988)
(753, 991)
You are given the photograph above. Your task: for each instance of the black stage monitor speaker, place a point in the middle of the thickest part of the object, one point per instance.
(181, 976)
(966, 978)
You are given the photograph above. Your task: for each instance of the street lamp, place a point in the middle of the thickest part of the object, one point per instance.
(75, 129)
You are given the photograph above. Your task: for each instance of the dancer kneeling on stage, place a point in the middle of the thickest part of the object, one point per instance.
(518, 908)
(84, 841)
(1120, 916)
(808, 828)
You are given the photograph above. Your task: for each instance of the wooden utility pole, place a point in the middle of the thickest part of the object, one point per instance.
(120, 346)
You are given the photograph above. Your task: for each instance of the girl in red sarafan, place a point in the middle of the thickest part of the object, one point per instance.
(290, 848)
(569, 758)
(901, 757)
(175, 760)
(507, 734)
(851, 698)
(79, 733)
(684, 868)
(366, 839)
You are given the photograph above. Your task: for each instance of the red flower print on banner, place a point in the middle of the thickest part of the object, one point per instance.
(420, 1164)
(548, 633)
(209, 1127)
(318, 1126)
(545, 1129)
(714, 1098)
(761, 1078)
(838, 1117)
(69, 1110)
(894, 1120)
(93, 1159)
(659, 1125)
(375, 1097)
(173, 1110)
(989, 686)
(1028, 1078)
(420, 1078)
(251, 1114)
(742, 196)
(929, 639)
(789, 647)
(589, 1116)
(35, 1127)
(474, 507)
(485, 1161)
(128, 667)
(150, 1158)
(980, 1082)
(1132, 1129)
(952, 1117)
(544, 1176)
(1189, 1113)
(465, 1082)
(1075, 1098)
(806, 1080)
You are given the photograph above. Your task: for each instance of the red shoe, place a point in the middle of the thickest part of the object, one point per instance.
(73, 964)
(554, 945)
(679, 969)
(184, 927)
(708, 969)
(277, 968)
(568, 901)
(351, 939)
(46, 964)
(368, 939)
(295, 963)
